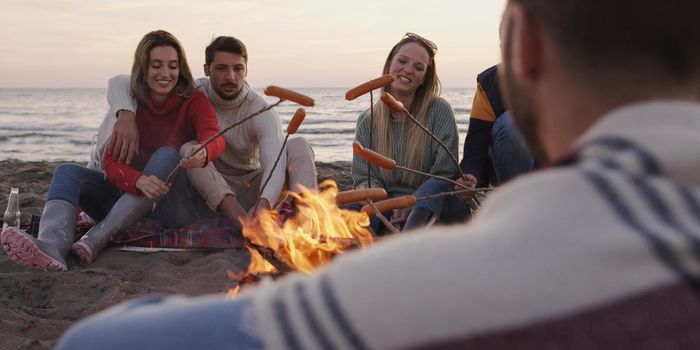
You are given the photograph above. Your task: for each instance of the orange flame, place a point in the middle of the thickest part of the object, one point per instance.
(307, 239)
(312, 236)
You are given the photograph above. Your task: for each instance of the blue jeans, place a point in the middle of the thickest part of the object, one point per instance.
(448, 209)
(156, 322)
(509, 152)
(90, 190)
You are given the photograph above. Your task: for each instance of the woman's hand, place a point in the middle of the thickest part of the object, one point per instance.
(196, 160)
(152, 187)
(467, 180)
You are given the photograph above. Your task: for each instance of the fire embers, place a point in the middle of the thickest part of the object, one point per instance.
(304, 238)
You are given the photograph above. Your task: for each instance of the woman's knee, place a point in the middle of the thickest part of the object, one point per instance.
(166, 153)
(67, 170)
(299, 147)
(162, 162)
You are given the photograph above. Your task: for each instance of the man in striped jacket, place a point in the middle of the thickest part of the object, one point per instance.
(599, 250)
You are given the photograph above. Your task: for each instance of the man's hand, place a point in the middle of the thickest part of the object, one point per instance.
(263, 204)
(398, 216)
(152, 187)
(196, 160)
(468, 180)
(124, 142)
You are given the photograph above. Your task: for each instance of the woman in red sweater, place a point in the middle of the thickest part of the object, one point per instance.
(171, 112)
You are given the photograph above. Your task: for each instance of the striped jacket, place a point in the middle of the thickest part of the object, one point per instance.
(602, 251)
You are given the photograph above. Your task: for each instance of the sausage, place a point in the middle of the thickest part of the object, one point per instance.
(289, 95)
(368, 86)
(391, 204)
(373, 157)
(390, 101)
(297, 119)
(352, 196)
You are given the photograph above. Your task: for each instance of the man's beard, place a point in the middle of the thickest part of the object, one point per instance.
(519, 103)
(225, 96)
(521, 108)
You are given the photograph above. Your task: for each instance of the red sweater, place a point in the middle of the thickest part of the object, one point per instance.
(173, 123)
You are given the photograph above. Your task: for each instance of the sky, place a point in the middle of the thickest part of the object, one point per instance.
(305, 43)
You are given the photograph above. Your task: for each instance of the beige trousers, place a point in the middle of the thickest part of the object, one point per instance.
(214, 186)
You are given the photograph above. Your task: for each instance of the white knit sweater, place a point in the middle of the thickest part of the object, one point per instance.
(252, 146)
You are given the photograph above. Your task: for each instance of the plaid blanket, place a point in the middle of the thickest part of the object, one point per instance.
(215, 232)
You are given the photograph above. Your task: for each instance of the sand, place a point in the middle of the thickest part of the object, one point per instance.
(37, 307)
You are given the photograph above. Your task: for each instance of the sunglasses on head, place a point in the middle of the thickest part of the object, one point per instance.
(425, 41)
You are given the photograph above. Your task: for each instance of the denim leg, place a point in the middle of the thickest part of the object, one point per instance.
(509, 152)
(430, 187)
(162, 162)
(454, 211)
(157, 322)
(85, 188)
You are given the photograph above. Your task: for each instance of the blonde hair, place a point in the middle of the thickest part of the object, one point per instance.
(185, 83)
(426, 94)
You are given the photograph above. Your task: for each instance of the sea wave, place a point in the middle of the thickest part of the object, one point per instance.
(80, 142)
(326, 131)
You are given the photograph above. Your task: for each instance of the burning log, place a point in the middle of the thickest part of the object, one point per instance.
(268, 254)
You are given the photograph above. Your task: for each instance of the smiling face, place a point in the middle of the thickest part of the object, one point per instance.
(227, 73)
(163, 72)
(409, 66)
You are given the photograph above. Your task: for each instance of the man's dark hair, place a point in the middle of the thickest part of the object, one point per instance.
(226, 44)
(661, 37)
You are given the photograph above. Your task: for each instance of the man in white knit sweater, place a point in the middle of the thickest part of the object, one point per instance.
(231, 185)
(600, 250)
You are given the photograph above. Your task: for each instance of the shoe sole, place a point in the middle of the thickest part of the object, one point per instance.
(83, 252)
(24, 251)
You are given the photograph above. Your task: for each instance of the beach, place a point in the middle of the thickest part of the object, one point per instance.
(37, 307)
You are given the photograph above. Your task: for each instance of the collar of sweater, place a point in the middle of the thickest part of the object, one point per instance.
(160, 109)
(227, 105)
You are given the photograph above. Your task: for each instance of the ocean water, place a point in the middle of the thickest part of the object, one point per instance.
(60, 124)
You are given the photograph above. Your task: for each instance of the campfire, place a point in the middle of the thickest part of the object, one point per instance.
(301, 238)
(316, 229)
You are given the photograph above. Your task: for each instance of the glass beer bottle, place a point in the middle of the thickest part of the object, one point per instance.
(12, 214)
